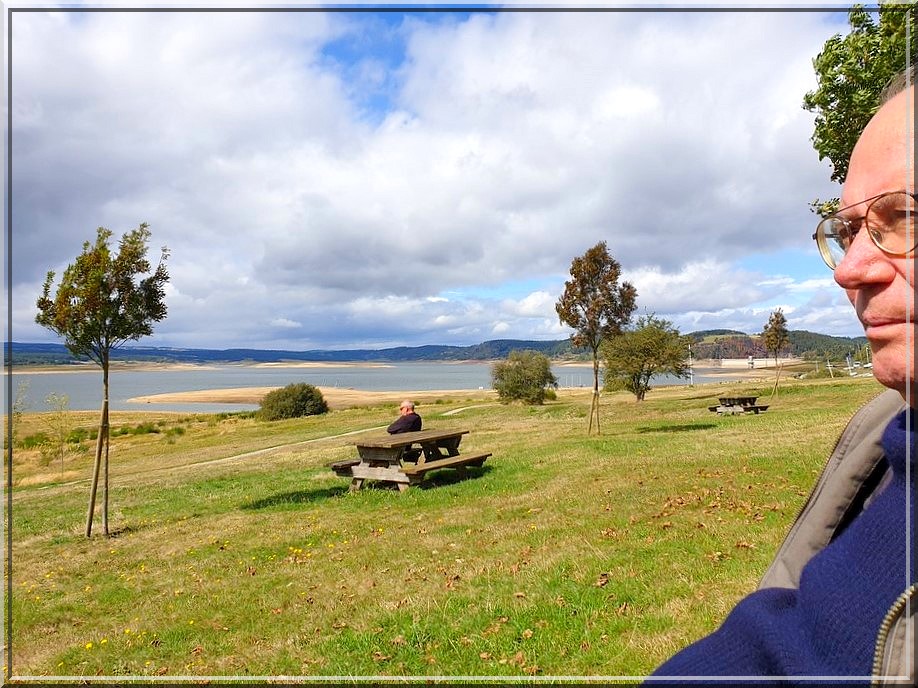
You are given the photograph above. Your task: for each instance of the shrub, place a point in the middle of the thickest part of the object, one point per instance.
(33, 441)
(525, 375)
(292, 401)
(77, 435)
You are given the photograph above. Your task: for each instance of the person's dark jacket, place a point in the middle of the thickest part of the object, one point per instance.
(410, 422)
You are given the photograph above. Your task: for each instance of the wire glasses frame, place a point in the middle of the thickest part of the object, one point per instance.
(889, 221)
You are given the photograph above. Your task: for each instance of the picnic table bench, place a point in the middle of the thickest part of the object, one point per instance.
(393, 458)
(736, 405)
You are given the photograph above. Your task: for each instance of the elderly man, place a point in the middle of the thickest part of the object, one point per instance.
(407, 421)
(839, 599)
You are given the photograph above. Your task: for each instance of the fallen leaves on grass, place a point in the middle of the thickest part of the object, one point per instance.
(496, 626)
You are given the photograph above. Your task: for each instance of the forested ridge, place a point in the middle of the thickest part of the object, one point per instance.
(707, 344)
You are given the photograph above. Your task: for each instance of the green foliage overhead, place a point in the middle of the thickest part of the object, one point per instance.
(104, 299)
(524, 376)
(852, 72)
(653, 347)
(293, 401)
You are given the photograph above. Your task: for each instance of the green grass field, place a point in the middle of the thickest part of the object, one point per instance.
(237, 552)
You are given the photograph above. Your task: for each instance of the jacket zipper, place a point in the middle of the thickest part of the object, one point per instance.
(885, 627)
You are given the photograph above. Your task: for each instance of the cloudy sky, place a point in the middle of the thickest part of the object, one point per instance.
(370, 179)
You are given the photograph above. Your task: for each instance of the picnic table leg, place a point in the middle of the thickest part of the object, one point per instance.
(402, 487)
(356, 484)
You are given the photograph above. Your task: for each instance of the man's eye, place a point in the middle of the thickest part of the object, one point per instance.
(846, 230)
(854, 226)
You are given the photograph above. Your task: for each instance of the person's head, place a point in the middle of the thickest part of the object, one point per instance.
(880, 283)
(406, 407)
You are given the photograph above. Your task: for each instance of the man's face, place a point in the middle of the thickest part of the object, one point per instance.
(404, 410)
(881, 286)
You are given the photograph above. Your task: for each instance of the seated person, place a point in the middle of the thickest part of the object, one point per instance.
(407, 421)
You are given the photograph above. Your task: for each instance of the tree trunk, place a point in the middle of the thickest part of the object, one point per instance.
(777, 375)
(102, 442)
(97, 464)
(594, 404)
(105, 429)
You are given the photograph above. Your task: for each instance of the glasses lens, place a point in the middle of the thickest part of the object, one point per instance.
(832, 238)
(891, 222)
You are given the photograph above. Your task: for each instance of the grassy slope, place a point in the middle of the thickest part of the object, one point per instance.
(565, 555)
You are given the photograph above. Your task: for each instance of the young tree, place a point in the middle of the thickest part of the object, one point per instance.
(17, 408)
(525, 375)
(653, 347)
(775, 338)
(596, 306)
(103, 301)
(59, 426)
(852, 72)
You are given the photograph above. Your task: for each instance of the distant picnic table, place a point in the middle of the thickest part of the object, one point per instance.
(737, 405)
(394, 458)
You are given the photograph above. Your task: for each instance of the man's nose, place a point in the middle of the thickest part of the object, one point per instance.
(864, 263)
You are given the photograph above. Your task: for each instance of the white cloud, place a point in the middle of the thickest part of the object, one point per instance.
(709, 285)
(534, 305)
(356, 193)
(285, 323)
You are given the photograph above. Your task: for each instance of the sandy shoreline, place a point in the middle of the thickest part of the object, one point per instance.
(336, 397)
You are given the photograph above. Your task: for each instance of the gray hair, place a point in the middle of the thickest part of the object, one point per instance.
(408, 404)
(897, 84)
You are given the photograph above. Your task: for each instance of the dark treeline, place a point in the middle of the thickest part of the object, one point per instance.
(719, 344)
(803, 344)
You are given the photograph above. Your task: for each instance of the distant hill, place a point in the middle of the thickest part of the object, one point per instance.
(708, 344)
(53, 354)
(803, 344)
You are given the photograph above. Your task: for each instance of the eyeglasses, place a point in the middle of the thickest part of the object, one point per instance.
(889, 221)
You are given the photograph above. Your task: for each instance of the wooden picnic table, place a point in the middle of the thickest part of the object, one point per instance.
(394, 458)
(736, 405)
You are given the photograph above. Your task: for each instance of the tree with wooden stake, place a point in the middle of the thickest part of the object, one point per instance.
(596, 306)
(103, 301)
(775, 338)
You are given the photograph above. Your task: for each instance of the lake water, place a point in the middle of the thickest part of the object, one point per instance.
(84, 389)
